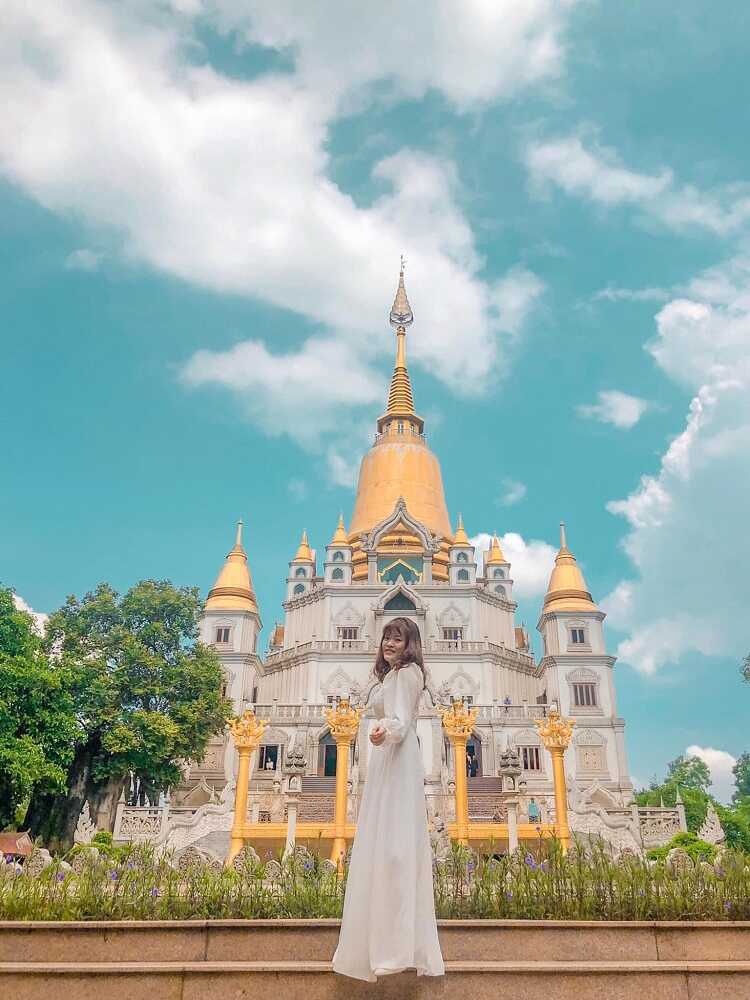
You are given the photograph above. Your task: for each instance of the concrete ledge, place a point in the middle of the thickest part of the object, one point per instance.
(315, 981)
(315, 940)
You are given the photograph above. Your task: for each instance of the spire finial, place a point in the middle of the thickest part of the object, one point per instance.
(304, 552)
(401, 314)
(461, 538)
(238, 539)
(563, 539)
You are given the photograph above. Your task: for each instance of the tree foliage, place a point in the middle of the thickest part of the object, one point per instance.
(147, 695)
(38, 726)
(689, 772)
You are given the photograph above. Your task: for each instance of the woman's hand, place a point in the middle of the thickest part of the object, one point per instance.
(377, 736)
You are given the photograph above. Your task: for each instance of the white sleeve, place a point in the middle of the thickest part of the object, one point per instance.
(400, 702)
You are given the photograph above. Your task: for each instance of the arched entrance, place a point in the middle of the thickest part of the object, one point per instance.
(474, 756)
(327, 756)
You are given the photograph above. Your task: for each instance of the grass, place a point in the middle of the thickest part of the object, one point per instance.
(540, 884)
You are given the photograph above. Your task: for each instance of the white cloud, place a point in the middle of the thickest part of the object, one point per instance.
(688, 539)
(614, 294)
(720, 764)
(616, 408)
(83, 260)
(530, 562)
(112, 114)
(513, 492)
(598, 174)
(40, 617)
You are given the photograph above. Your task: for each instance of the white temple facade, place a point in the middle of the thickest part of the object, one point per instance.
(401, 556)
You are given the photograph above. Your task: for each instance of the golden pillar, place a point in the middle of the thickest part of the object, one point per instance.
(459, 725)
(344, 723)
(556, 733)
(247, 732)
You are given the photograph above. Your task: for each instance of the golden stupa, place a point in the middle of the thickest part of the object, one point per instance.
(234, 586)
(399, 464)
(567, 590)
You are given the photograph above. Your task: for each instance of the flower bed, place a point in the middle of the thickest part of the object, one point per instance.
(542, 884)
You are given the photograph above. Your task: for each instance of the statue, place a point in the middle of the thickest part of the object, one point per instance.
(85, 827)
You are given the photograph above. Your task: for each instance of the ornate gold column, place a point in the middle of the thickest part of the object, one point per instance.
(344, 723)
(459, 724)
(556, 733)
(247, 732)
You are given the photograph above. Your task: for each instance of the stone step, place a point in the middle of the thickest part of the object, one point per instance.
(297, 980)
(314, 940)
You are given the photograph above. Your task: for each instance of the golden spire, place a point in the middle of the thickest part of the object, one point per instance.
(233, 590)
(340, 537)
(304, 553)
(567, 590)
(496, 553)
(461, 538)
(400, 399)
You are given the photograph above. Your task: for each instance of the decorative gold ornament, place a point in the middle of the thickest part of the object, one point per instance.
(247, 730)
(458, 720)
(555, 731)
(343, 720)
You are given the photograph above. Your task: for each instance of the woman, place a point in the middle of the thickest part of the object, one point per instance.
(388, 924)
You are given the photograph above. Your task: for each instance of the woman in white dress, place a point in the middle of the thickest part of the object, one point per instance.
(388, 924)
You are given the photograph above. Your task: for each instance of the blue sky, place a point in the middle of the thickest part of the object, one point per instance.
(202, 207)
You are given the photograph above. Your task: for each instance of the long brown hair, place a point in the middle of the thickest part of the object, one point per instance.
(408, 630)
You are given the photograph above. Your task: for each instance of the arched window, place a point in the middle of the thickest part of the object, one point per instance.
(500, 591)
(338, 556)
(300, 571)
(299, 588)
(337, 574)
(499, 574)
(462, 557)
(400, 602)
(462, 576)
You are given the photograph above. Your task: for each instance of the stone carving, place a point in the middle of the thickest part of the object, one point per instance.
(439, 839)
(248, 858)
(85, 827)
(679, 861)
(83, 859)
(711, 830)
(658, 826)
(39, 860)
(140, 824)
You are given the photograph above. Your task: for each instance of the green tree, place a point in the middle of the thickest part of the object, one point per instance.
(689, 772)
(741, 772)
(147, 694)
(38, 726)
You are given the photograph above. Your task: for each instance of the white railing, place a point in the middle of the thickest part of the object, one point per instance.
(452, 646)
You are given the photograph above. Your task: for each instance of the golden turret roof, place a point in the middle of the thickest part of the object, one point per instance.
(233, 590)
(461, 538)
(567, 590)
(304, 552)
(340, 537)
(496, 553)
(400, 464)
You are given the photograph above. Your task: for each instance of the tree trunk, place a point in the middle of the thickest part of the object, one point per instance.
(53, 816)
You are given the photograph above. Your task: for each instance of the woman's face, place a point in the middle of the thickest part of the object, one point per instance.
(394, 645)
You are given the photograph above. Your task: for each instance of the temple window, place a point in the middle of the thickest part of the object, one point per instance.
(530, 758)
(268, 757)
(400, 426)
(462, 576)
(338, 556)
(347, 634)
(454, 636)
(501, 592)
(498, 574)
(584, 695)
(223, 633)
(299, 588)
(578, 636)
(300, 571)
(462, 557)
(337, 574)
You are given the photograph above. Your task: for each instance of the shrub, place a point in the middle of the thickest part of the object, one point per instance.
(699, 850)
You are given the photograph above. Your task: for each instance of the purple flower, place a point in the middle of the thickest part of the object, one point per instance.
(60, 876)
(509, 895)
(470, 867)
(154, 892)
(543, 866)
(308, 865)
(530, 862)
(727, 907)
(114, 876)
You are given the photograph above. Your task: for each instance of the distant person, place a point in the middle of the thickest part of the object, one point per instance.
(534, 814)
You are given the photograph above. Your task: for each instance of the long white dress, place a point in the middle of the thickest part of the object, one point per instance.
(388, 923)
